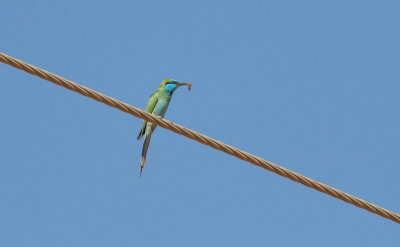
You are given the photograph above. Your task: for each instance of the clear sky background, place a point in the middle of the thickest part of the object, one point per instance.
(310, 85)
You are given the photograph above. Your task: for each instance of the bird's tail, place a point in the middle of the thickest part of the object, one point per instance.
(144, 153)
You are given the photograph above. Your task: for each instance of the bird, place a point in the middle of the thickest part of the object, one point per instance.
(157, 105)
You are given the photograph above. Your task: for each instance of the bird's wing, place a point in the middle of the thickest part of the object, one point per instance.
(149, 108)
(161, 107)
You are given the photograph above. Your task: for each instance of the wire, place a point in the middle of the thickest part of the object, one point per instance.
(200, 138)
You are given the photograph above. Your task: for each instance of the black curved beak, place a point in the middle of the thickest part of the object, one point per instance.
(189, 85)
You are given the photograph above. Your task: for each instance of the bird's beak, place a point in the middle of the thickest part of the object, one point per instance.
(189, 85)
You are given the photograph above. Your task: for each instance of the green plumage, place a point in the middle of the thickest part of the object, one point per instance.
(158, 105)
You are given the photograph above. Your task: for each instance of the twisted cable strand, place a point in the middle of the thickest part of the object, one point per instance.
(200, 138)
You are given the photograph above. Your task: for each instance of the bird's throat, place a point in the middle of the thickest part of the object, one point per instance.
(170, 88)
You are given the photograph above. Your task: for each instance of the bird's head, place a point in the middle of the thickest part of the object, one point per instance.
(170, 85)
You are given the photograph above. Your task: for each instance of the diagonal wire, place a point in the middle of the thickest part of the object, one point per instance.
(200, 138)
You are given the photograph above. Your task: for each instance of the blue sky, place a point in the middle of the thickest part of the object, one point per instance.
(310, 85)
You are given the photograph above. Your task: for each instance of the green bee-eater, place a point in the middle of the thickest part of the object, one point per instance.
(158, 105)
